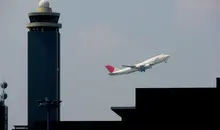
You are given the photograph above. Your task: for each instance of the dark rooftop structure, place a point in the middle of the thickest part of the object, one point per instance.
(172, 106)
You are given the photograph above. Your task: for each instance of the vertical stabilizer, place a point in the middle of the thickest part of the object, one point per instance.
(111, 69)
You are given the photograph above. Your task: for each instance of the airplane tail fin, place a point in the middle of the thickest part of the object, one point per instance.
(111, 69)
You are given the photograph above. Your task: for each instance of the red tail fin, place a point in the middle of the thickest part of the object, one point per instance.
(110, 68)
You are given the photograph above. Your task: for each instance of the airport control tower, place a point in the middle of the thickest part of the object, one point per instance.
(43, 61)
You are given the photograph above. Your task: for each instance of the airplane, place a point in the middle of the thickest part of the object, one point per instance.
(147, 64)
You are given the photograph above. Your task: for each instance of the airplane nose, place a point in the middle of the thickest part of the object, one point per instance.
(168, 56)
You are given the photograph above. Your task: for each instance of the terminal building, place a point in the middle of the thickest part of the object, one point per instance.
(157, 108)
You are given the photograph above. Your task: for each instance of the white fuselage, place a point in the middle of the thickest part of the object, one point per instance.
(152, 61)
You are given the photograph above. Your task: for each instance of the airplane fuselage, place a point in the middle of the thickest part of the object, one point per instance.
(147, 64)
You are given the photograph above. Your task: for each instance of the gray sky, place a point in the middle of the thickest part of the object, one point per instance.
(116, 32)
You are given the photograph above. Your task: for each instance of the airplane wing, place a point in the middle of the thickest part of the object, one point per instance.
(132, 66)
(141, 67)
(138, 67)
(147, 66)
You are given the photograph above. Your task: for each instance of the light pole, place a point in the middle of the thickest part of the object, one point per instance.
(48, 104)
(3, 95)
(3, 107)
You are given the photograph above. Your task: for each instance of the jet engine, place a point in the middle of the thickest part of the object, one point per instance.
(142, 68)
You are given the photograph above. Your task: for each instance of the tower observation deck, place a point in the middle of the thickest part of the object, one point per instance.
(43, 61)
(44, 19)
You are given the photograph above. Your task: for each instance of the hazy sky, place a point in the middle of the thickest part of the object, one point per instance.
(115, 32)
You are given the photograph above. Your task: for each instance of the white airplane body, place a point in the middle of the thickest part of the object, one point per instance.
(147, 64)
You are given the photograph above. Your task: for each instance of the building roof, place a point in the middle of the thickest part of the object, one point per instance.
(125, 112)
